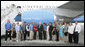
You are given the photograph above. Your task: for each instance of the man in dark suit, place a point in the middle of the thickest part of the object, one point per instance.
(77, 30)
(40, 29)
(24, 30)
(50, 31)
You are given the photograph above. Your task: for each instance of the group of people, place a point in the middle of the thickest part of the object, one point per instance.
(25, 31)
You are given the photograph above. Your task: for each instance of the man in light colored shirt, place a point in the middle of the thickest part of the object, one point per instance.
(27, 27)
(31, 31)
(70, 32)
(17, 28)
(27, 30)
(77, 30)
(18, 32)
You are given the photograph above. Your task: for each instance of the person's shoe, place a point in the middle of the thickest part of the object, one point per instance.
(14, 40)
(10, 40)
(17, 40)
(44, 39)
(50, 40)
(60, 41)
(30, 39)
(56, 40)
(40, 39)
(75, 43)
(65, 41)
(70, 42)
(34, 39)
(5, 41)
(24, 40)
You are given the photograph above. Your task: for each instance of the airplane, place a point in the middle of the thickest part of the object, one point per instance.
(63, 13)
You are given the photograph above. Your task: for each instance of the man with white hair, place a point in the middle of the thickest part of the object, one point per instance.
(40, 29)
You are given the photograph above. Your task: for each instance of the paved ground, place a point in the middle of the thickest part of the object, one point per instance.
(44, 42)
(39, 43)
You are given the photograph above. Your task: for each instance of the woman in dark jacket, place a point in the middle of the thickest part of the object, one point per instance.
(57, 31)
(54, 29)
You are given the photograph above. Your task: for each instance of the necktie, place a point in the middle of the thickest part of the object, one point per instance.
(74, 28)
